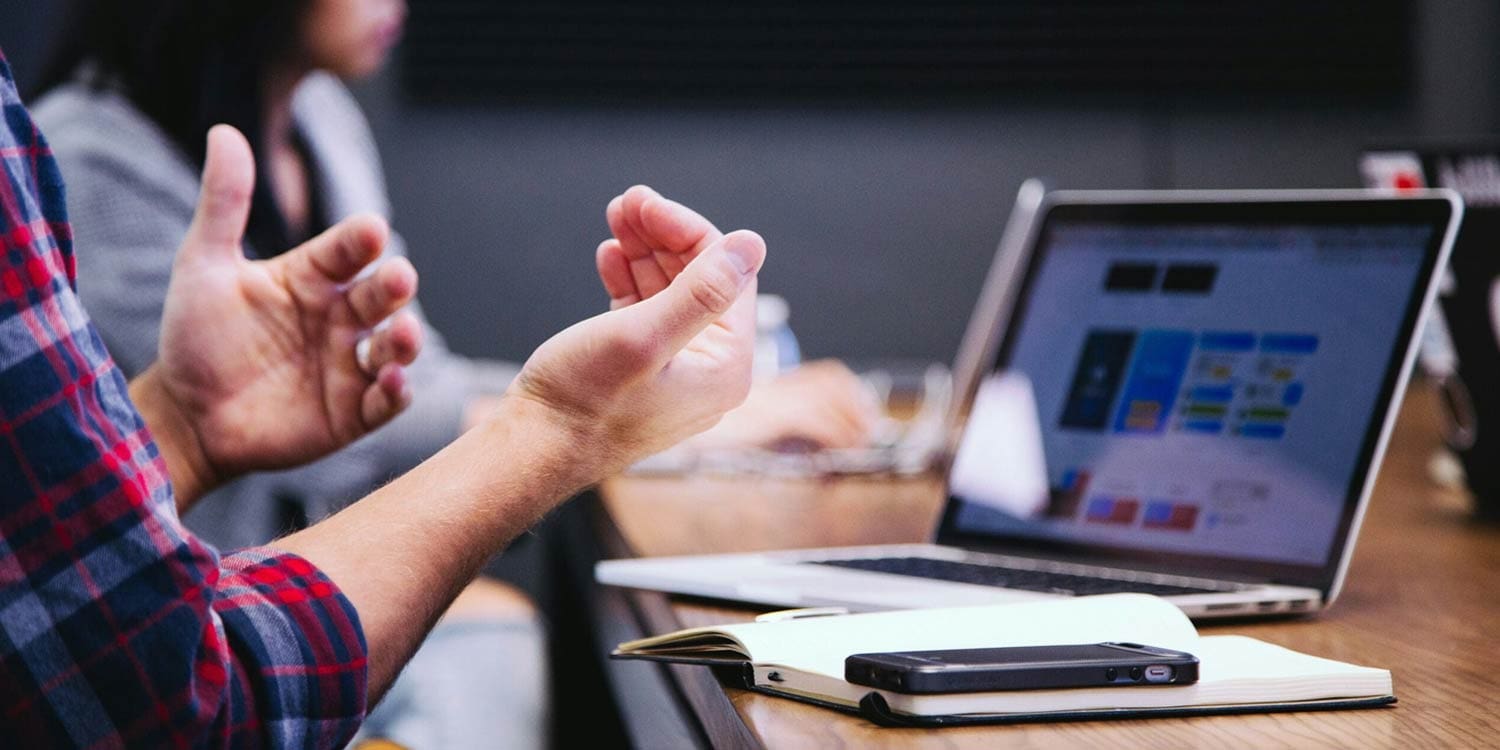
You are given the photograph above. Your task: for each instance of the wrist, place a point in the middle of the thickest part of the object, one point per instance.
(478, 410)
(563, 447)
(188, 465)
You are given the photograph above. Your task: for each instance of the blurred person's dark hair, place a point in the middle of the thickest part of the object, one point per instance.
(188, 65)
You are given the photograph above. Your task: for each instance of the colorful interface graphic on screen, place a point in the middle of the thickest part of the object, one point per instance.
(1197, 389)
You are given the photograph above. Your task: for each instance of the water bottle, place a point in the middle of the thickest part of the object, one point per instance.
(776, 348)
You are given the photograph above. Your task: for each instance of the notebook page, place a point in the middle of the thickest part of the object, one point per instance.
(1234, 671)
(819, 645)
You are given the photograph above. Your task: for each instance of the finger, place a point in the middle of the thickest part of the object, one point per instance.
(659, 236)
(823, 410)
(622, 222)
(646, 276)
(829, 434)
(386, 397)
(224, 198)
(675, 228)
(399, 342)
(340, 253)
(671, 263)
(809, 430)
(649, 277)
(382, 293)
(853, 414)
(675, 232)
(704, 293)
(832, 382)
(643, 248)
(614, 271)
(852, 424)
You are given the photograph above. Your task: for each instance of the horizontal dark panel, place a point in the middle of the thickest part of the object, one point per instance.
(473, 50)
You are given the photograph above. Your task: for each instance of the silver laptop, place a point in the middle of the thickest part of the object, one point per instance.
(1180, 393)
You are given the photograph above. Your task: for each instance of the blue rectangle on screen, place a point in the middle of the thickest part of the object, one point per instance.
(1161, 359)
(1265, 431)
(1096, 379)
(1204, 426)
(1212, 394)
(1226, 341)
(1069, 479)
(1292, 395)
(1288, 343)
(1158, 512)
(1100, 507)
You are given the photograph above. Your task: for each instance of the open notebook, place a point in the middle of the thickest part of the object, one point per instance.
(804, 659)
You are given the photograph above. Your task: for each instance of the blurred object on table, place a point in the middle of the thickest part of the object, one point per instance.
(907, 441)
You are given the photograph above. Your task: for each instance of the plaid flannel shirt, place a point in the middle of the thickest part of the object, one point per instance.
(117, 627)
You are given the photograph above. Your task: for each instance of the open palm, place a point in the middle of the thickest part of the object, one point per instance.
(260, 356)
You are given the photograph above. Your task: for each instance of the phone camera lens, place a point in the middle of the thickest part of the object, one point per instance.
(1111, 674)
(1135, 673)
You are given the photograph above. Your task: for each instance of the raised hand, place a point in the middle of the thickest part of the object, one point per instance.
(822, 405)
(258, 358)
(675, 351)
(654, 240)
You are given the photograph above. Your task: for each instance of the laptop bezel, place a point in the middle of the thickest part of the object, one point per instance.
(1441, 209)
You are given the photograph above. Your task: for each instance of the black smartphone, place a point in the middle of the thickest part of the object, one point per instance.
(972, 670)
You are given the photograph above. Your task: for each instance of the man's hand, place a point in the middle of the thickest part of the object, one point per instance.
(820, 405)
(655, 238)
(674, 352)
(258, 366)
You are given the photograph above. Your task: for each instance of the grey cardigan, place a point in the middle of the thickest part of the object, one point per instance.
(131, 193)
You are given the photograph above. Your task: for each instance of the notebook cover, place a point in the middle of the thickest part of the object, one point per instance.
(873, 707)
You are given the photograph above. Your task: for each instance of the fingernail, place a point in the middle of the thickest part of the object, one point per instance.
(742, 255)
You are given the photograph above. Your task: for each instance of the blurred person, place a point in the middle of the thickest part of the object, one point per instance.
(122, 628)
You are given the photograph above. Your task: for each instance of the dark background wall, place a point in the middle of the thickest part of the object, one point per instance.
(881, 219)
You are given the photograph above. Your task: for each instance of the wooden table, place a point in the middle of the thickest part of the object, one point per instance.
(1422, 599)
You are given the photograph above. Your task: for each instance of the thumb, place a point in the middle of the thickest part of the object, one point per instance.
(704, 292)
(224, 199)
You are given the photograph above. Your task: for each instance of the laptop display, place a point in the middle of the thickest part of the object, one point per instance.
(1203, 385)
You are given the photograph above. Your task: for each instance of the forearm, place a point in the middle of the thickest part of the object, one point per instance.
(403, 553)
(191, 473)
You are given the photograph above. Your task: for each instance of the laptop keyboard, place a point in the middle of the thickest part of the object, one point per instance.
(1011, 578)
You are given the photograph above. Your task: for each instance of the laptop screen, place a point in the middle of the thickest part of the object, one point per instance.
(1202, 384)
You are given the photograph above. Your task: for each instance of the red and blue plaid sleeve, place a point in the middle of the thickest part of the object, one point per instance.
(117, 627)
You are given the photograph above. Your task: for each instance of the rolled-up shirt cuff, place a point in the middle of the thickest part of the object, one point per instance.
(298, 661)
